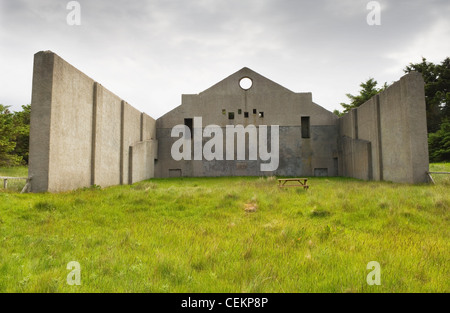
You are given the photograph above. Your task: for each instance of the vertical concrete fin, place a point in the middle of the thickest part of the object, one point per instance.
(40, 120)
(94, 132)
(369, 161)
(417, 125)
(380, 145)
(142, 128)
(130, 165)
(122, 128)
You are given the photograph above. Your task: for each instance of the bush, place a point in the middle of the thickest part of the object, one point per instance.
(439, 143)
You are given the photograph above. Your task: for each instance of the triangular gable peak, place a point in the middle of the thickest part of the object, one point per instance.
(231, 84)
(227, 98)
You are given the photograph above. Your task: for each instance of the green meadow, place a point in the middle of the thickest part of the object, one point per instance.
(199, 235)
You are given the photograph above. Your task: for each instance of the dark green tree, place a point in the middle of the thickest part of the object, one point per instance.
(368, 90)
(7, 138)
(338, 113)
(22, 132)
(439, 143)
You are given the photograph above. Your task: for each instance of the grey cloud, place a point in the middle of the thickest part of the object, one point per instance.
(149, 52)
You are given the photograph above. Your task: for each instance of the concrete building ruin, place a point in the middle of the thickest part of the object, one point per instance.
(82, 134)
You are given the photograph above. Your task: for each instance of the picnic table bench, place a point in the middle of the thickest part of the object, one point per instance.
(301, 182)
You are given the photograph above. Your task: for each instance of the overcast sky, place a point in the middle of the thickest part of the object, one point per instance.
(151, 52)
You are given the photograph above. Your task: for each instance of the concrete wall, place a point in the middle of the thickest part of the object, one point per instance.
(393, 127)
(139, 155)
(107, 158)
(356, 158)
(80, 132)
(298, 156)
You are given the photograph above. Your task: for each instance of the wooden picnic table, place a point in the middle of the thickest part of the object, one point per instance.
(301, 182)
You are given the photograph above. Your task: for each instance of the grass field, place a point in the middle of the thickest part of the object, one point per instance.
(194, 235)
(13, 185)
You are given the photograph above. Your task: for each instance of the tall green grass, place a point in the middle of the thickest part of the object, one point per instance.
(441, 178)
(13, 184)
(194, 235)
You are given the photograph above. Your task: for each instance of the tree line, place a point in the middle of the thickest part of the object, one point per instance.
(437, 99)
(14, 136)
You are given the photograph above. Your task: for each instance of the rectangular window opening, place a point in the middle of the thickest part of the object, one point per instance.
(305, 127)
(190, 124)
(231, 115)
(239, 111)
(246, 114)
(254, 111)
(261, 114)
(224, 112)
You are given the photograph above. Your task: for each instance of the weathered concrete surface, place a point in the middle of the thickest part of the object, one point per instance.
(404, 131)
(107, 138)
(40, 121)
(368, 120)
(394, 123)
(148, 128)
(280, 106)
(356, 158)
(67, 127)
(131, 135)
(80, 132)
(141, 156)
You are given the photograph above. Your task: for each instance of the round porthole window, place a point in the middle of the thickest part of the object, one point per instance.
(246, 83)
